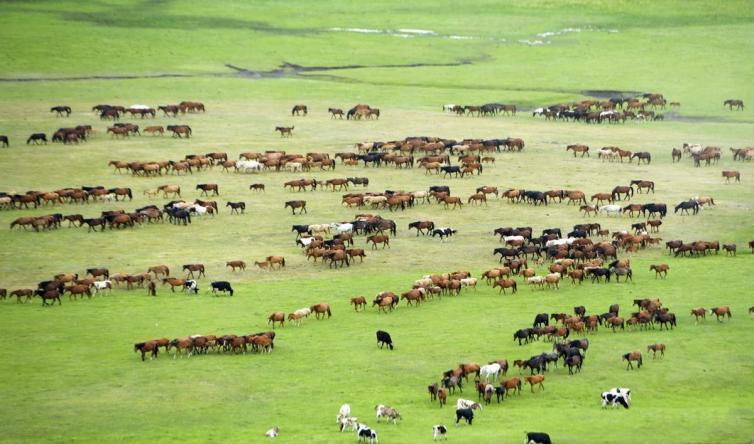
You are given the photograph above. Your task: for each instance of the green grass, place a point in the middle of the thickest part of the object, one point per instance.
(68, 373)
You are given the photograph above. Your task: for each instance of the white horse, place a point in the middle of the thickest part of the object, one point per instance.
(319, 228)
(344, 412)
(606, 154)
(556, 242)
(539, 112)
(448, 108)
(140, 107)
(466, 404)
(200, 210)
(610, 209)
(342, 228)
(490, 371)
(467, 282)
(103, 285)
(247, 166)
(305, 312)
(513, 238)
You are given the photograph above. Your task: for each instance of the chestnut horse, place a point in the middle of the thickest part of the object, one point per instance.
(721, 312)
(277, 316)
(359, 302)
(321, 309)
(633, 356)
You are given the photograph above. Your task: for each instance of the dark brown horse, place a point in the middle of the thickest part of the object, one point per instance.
(299, 109)
(633, 356)
(207, 187)
(335, 112)
(191, 268)
(285, 131)
(728, 175)
(721, 312)
(296, 204)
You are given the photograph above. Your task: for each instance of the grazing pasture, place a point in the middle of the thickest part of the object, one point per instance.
(69, 370)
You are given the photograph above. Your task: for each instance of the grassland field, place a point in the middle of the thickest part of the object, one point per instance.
(68, 373)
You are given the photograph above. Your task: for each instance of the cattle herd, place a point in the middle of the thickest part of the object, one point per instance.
(585, 252)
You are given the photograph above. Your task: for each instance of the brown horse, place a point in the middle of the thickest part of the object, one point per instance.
(207, 187)
(728, 175)
(335, 112)
(633, 356)
(384, 302)
(156, 129)
(294, 204)
(159, 270)
(506, 283)
(174, 282)
(299, 109)
(78, 290)
(511, 384)
(236, 264)
(279, 260)
(285, 131)
(257, 187)
(660, 270)
(147, 347)
(359, 302)
(721, 312)
(379, 239)
(730, 249)
(277, 316)
(321, 309)
(534, 380)
(700, 312)
(578, 148)
(191, 268)
(27, 293)
(654, 348)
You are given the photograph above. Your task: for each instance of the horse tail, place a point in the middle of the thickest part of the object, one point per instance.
(130, 194)
(329, 313)
(283, 262)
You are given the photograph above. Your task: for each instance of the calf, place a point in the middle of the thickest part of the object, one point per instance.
(615, 397)
(537, 438)
(466, 414)
(191, 285)
(439, 431)
(366, 434)
(273, 432)
(223, 286)
(383, 338)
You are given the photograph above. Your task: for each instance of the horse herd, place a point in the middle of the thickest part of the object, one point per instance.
(80, 133)
(358, 112)
(188, 346)
(613, 110)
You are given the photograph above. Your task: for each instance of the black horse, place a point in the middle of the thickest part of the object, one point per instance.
(4, 141)
(60, 110)
(686, 206)
(451, 170)
(541, 319)
(524, 334)
(37, 138)
(652, 208)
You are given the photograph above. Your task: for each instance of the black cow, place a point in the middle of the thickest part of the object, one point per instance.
(541, 319)
(466, 414)
(615, 397)
(366, 434)
(383, 338)
(537, 438)
(223, 286)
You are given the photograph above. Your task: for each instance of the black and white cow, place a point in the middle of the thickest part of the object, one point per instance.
(537, 438)
(383, 338)
(466, 414)
(223, 286)
(439, 431)
(365, 434)
(617, 396)
(443, 232)
(191, 285)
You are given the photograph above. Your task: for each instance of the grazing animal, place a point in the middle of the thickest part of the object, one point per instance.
(728, 175)
(366, 434)
(344, 412)
(285, 131)
(383, 338)
(721, 312)
(273, 432)
(537, 438)
(277, 316)
(466, 414)
(616, 397)
(654, 348)
(150, 347)
(439, 432)
(222, 286)
(660, 270)
(534, 380)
